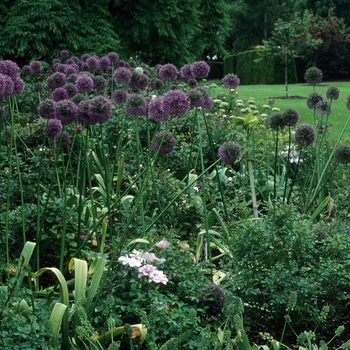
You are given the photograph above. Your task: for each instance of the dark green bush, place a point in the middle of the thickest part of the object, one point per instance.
(216, 70)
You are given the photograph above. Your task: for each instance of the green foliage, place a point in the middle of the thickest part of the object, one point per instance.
(216, 70)
(230, 63)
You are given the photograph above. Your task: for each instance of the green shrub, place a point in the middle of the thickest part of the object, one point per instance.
(216, 70)
(230, 64)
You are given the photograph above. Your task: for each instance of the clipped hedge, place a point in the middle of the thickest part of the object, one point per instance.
(216, 70)
(230, 64)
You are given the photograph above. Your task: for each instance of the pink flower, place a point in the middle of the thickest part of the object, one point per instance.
(163, 244)
(78, 128)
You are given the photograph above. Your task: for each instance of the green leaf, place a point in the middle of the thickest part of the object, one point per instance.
(56, 318)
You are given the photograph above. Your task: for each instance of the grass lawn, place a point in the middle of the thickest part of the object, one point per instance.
(337, 118)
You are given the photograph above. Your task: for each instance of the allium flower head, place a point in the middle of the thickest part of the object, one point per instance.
(332, 93)
(7, 86)
(9, 68)
(36, 67)
(66, 111)
(122, 75)
(275, 121)
(59, 94)
(18, 86)
(55, 61)
(84, 116)
(155, 111)
(84, 57)
(313, 98)
(305, 135)
(290, 117)
(92, 62)
(156, 84)
(26, 70)
(186, 72)
(323, 108)
(84, 83)
(168, 72)
(60, 68)
(72, 78)
(138, 81)
(122, 63)
(231, 81)
(200, 70)
(100, 83)
(175, 103)
(62, 139)
(139, 70)
(38, 87)
(313, 76)
(192, 83)
(136, 105)
(64, 53)
(164, 141)
(120, 96)
(100, 108)
(46, 108)
(71, 89)
(195, 98)
(70, 69)
(52, 128)
(214, 297)
(342, 154)
(104, 63)
(113, 58)
(230, 152)
(132, 64)
(56, 80)
(78, 98)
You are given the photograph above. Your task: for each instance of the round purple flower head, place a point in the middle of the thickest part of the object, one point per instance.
(38, 87)
(313, 98)
(155, 111)
(200, 70)
(168, 72)
(62, 139)
(342, 154)
(84, 116)
(104, 63)
(186, 72)
(60, 68)
(192, 83)
(230, 152)
(7, 85)
(84, 57)
(84, 83)
(138, 81)
(66, 111)
(100, 83)
(164, 141)
(36, 67)
(56, 80)
(71, 61)
(55, 61)
(156, 84)
(332, 93)
(290, 117)
(132, 64)
(275, 121)
(313, 76)
(195, 97)
(113, 58)
(69, 70)
(175, 103)
(59, 94)
(2, 86)
(92, 62)
(305, 135)
(26, 70)
(120, 96)
(46, 108)
(136, 105)
(100, 108)
(18, 86)
(9, 68)
(64, 54)
(214, 297)
(323, 108)
(52, 128)
(122, 75)
(122, 63)
(71, 89)
(231, 81)
(72, 78)
(78, 98)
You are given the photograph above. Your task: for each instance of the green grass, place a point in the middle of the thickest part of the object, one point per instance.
(337, 118)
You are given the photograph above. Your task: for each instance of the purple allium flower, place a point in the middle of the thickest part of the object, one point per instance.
(138, 81)
(173, 87)
(64, 53)
(175, 103)
(122, 75)
(46, 109)
(132, 64)
(84, 57)
(18, 86)
(98, 71)
(305, 135)
(164, 141)
(200, 70)
(186, 72)
(231, 81)
(100, 83)
(9, 68)
(122, 63)
(168, 72)
(92, 62)
(36, 67)
(52, 128)
(104, 63)
(323, 108)
(313, 98)
(157, 84)
(313, 76)
(342, 154)
(192, 83)
(195, 98)
(163, 244)
(70, 61)
(100, 108)
(290, 117)
(214, 297)
(83, 113)
(155, 111)
(66, 111)
(229, 152)
(71, 89)
(113, 58)
(136, 105)
(84, 68)
(69, 70)
(60, 68)
(60, 94)
(38, 87)
(56, 80)
(7, 85)
(120, 96)
(78, 98)
(2, 86)
(26, 70)
(72, 78)
(55, 61)
(275, 121)
(332, 93)
(84, 83)
(62, 139)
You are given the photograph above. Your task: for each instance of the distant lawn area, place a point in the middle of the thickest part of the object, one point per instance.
(337, 118)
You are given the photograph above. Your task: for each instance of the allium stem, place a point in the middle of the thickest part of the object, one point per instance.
(251, 177)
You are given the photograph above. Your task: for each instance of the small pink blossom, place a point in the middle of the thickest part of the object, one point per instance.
(163, 244)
